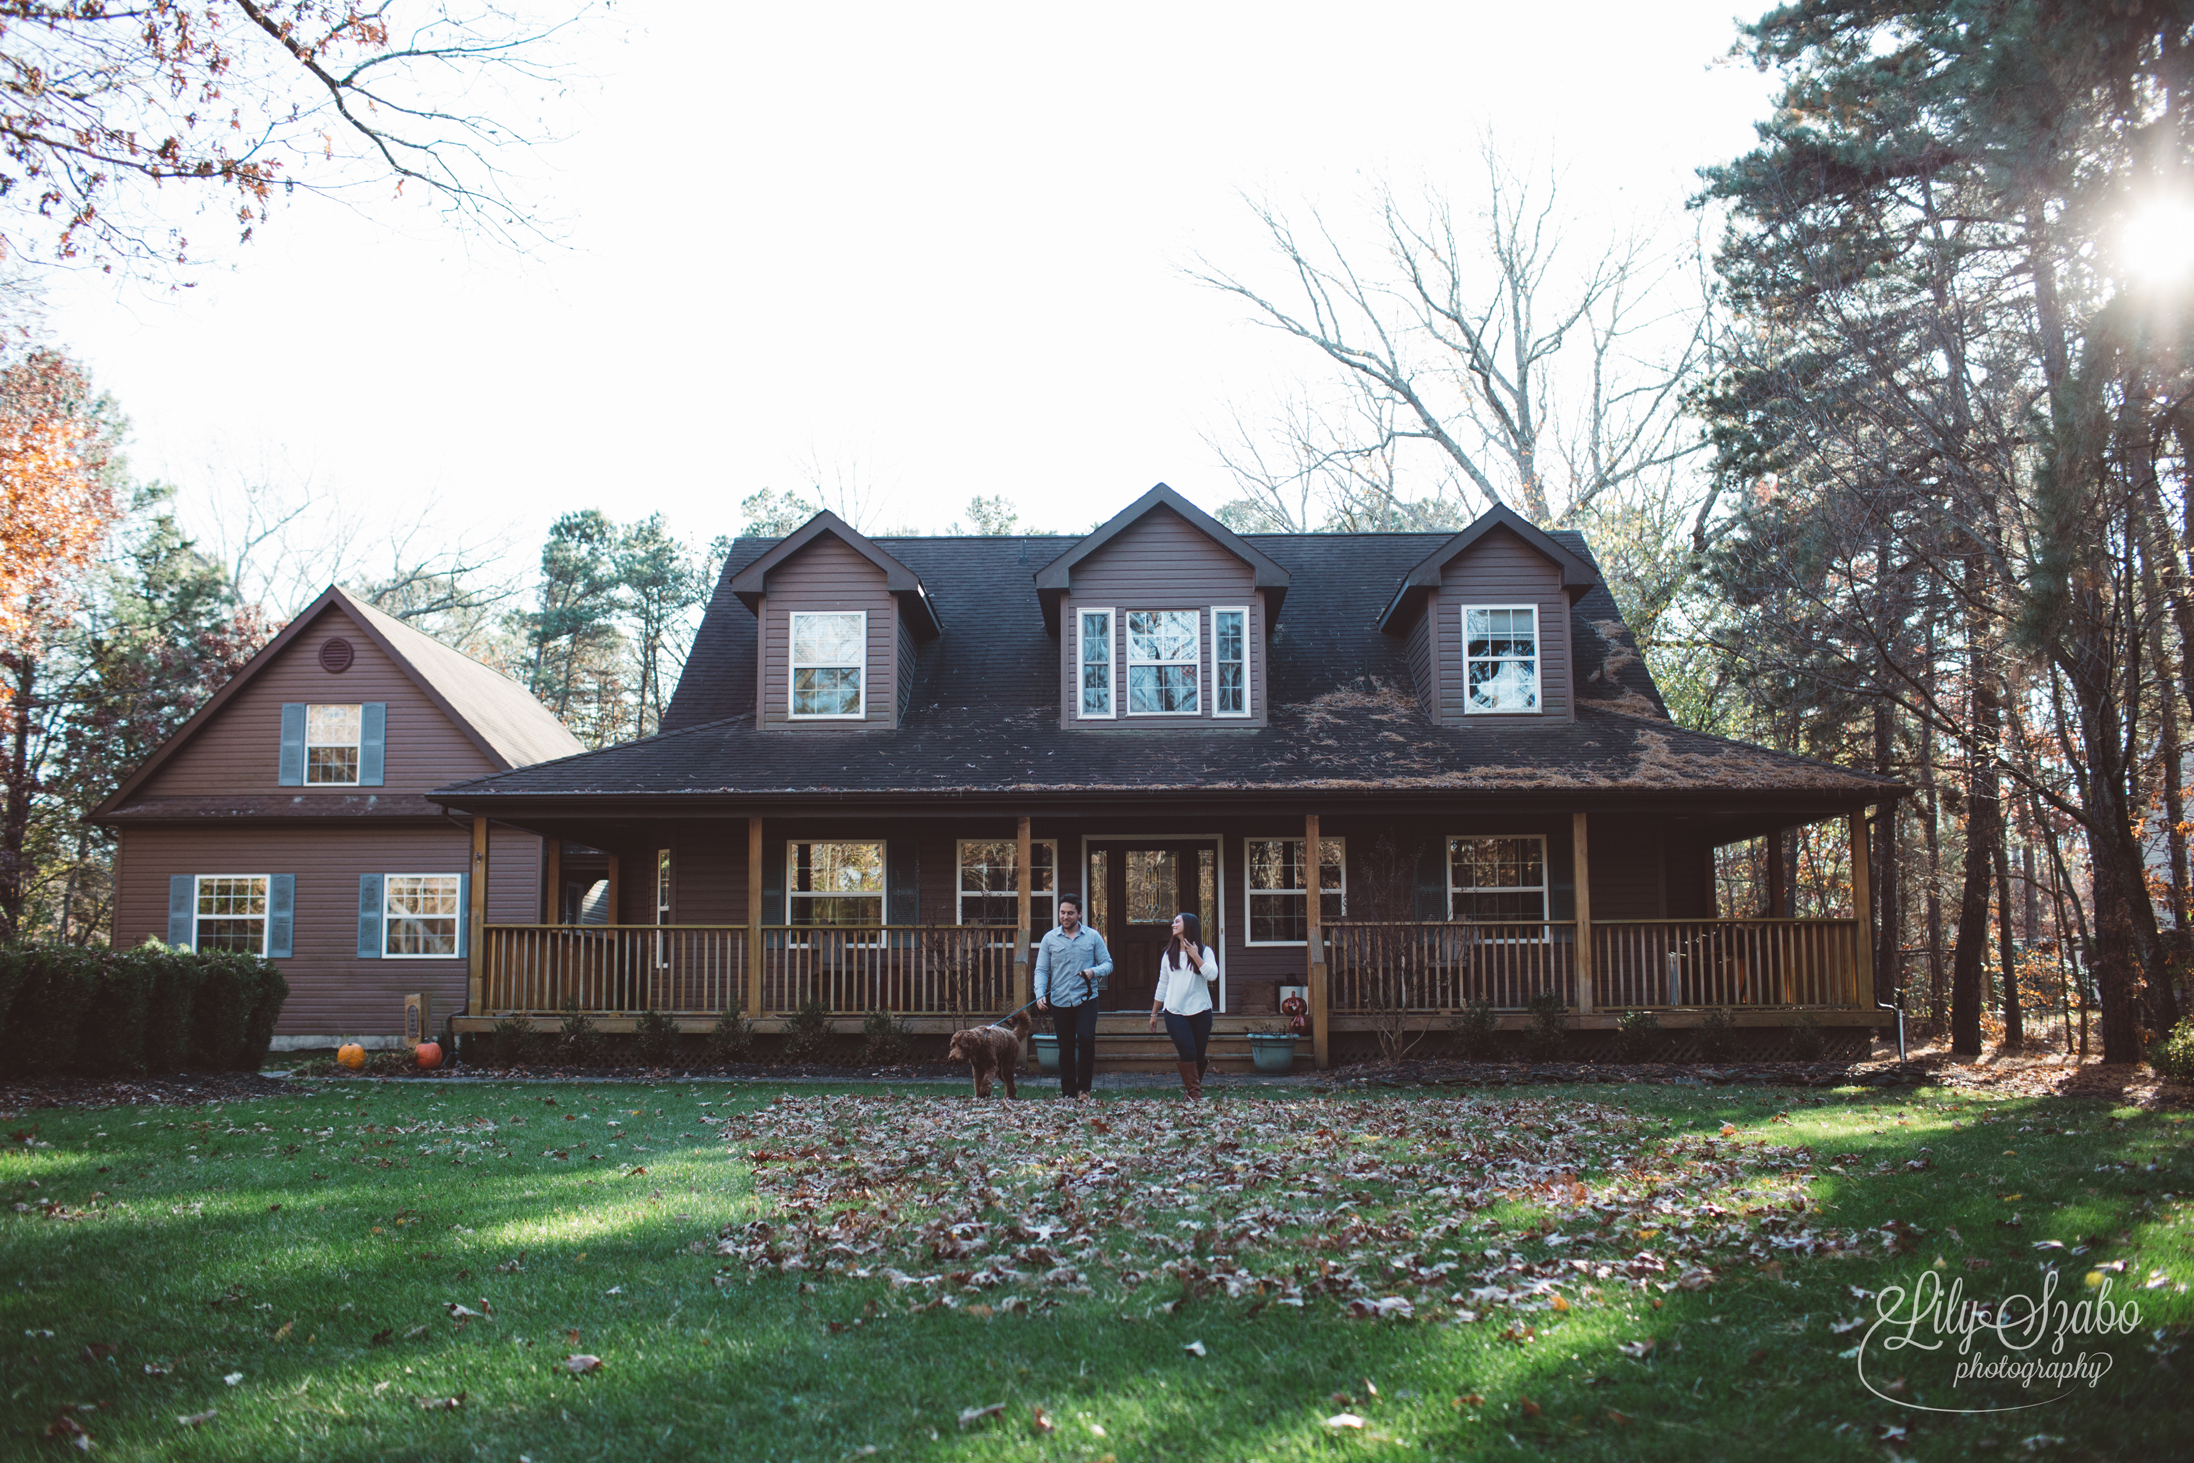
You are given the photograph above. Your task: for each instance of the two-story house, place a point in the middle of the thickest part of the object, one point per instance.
(289, 818)
(888, 757)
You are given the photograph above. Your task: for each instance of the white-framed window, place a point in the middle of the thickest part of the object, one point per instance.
(1497, 879)
(1500, 658)
(662, 904)
(231, 913)
(1093, 664)
(1230, 660)
(829, 664)
(835, 883)
(332, 737)
(419, 915)
(990, 884)
(1278, 893)
(1165, 662)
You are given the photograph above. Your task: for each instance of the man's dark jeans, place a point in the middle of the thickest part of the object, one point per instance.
(1077, 1029)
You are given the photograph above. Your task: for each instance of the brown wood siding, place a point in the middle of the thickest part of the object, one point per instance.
(240, 749)
(1423, 665)
(332, 991)
(1689, 895)
(1501, 569)
(1626, 867)
(709, 873)
(1162, 562)
(514, 876)
(827, 575)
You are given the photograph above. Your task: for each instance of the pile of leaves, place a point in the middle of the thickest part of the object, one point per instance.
(1457, 1210)
(19, 1094)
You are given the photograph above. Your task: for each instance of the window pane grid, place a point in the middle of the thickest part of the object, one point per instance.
(834, 883)
(332, 735)
(1163, 660)
(232, 913)
(1278, 912)
(1096, 650)
(1497, 879)
(421, 914)
(1230, 662)
(829, 652)
(989, 883)
(1501, 659)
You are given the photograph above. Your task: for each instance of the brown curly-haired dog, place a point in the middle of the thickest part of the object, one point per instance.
(991, 1051)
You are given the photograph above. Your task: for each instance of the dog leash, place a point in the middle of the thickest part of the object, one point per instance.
(1000, 1023)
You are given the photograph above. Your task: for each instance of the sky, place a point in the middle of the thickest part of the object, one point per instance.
(935, 251)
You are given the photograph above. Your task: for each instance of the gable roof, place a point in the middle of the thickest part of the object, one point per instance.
(914, 601)
(494, 712)
(1578, 571)
(983, 720)
(1052, 580)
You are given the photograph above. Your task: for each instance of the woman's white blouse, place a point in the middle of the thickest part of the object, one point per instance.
(1183, 991)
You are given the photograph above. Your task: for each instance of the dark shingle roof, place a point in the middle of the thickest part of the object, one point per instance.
(984, 716)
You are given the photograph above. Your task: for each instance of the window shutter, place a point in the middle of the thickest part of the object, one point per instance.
(281, 915)
(373, 728)
(464, 914)
(773, 881)
(292, 773)
(1432, 879)
(182, 893)
(902, 886)
(369, 916)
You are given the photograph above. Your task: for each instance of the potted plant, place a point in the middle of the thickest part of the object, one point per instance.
(1047, 1051)
(1272, 1048)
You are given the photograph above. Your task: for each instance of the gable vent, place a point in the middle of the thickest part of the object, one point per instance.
(335, 655)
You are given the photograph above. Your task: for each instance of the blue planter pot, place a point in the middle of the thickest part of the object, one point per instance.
(1272, 1053)
(1047, 1052)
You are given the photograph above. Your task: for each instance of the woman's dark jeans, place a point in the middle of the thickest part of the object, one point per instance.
(1191, 1037)
(1077, 1030)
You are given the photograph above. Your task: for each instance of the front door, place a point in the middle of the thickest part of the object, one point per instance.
(1136, 887)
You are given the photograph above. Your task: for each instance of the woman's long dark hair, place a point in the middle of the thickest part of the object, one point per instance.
(1192, 933)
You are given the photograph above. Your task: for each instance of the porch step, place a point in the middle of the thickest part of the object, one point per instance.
(1142, 1052)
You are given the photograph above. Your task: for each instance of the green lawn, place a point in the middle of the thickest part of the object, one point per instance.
(291, 1266)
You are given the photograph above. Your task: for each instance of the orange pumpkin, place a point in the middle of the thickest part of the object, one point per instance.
(429, 1055)
(351, 1055)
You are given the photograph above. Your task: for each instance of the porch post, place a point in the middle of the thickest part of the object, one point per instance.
(1315, 945)
(1581, 861)
(476, 948)
(1023, 979)
(616, 893)
(1862, 906)
(754, 917)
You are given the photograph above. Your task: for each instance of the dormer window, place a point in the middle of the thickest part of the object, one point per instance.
(1500, 659)
(1230, 661)
(1164, 662)
(829, 664)
(332, 738)
(1094, 665)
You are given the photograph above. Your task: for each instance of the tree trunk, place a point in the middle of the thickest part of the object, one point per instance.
(1888, 964)
(1983, 825)
(2014, 1023)
(1937, 1004)
(15, 818)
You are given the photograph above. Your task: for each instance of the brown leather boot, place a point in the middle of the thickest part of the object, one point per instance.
(1192, 1080)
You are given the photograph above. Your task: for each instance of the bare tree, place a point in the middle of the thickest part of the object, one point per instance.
(1477, 363)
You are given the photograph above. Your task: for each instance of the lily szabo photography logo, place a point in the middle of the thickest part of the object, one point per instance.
(1933, 1349)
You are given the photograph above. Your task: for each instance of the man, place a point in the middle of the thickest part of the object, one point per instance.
(1070, 963)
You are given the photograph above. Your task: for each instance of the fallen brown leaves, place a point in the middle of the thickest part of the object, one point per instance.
(1374, 1207)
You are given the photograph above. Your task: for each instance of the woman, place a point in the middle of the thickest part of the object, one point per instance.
(1185, 973)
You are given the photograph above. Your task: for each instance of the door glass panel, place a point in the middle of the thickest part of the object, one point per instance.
(1207, 889)
(1153, 886)
(1099, 892)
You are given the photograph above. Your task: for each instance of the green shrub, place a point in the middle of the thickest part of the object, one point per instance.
(655, 1039)
(11, 979)
(54, 987)
(514, 1042)
(177, 976)
(1549, 1029)
(884, 1038)
(266, 1010)
(1717, 1035)
(223, 1009)
(111, 1040)
(2174, 1055)
(1637, 1036)
(1476, 1029)
(579, 1043)
(731, 1039)
(808, 1033)
(1808, 1043)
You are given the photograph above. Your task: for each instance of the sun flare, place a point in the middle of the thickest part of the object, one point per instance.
(2156, 241)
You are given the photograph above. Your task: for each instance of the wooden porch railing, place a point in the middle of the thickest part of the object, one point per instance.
(702, 969)
(1447, 966)
(1727, 962)
(1436, 966)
